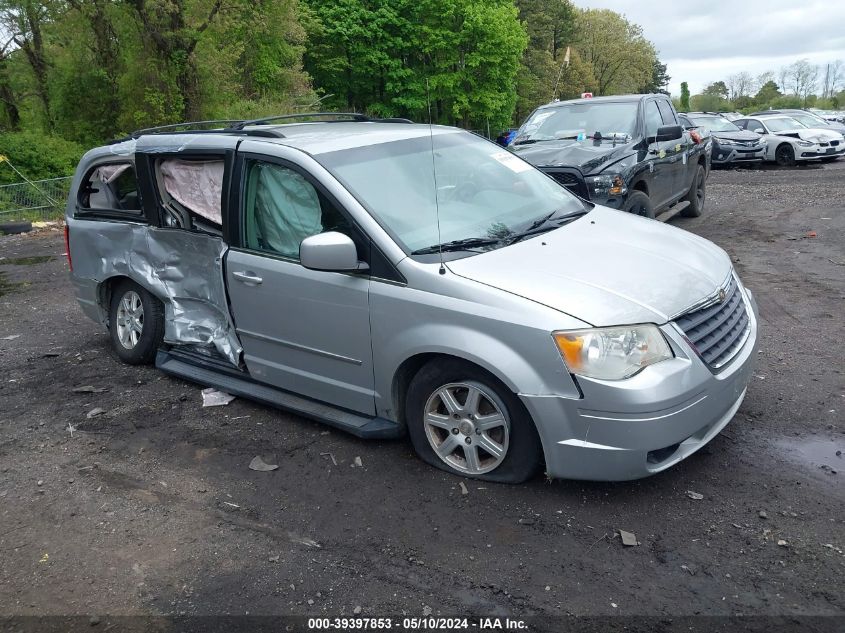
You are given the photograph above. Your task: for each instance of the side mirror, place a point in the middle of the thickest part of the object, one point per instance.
(331, 251)
(759, 130)
(669, 133)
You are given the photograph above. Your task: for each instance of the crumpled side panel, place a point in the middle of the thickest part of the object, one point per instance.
(181, 268)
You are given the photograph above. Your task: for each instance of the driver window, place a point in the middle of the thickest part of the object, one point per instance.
(282, 208)
(652, 119)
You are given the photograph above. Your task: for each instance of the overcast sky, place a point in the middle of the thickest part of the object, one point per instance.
(701, 42)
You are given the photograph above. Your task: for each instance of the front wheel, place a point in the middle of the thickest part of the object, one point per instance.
(696, 196)
(639, 203)
(785, 155)
(136, 323)
(465, 422)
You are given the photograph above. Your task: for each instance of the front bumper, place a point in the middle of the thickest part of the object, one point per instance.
(818, 151)
(724, 154)
(622, 430)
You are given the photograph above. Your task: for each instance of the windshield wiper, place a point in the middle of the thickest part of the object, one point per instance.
(528, 141)
(465, 244)
(545, 224)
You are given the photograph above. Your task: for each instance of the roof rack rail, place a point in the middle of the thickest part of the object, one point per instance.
(174, 127)
(355, 116)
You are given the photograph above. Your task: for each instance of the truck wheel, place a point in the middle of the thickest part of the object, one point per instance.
(785, 155)
(136, 323)
(465, 422)
(696, 195)
(639, 203)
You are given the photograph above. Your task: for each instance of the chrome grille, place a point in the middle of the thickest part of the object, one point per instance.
(718, 331)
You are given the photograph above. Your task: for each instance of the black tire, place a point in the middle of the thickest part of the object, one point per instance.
(523, 452)
(696, 196)
(639, 203)
(785, 155)
(13, 228)
(143, 350)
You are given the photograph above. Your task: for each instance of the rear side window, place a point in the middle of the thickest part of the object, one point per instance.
(653, 119)
(282, 208)
(666, 113)
(110, 188)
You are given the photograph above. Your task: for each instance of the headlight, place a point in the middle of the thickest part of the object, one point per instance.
(612, 353)
(606, 185)
(804, 143)
(725, 141)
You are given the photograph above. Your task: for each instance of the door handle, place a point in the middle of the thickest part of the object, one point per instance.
(247, 277)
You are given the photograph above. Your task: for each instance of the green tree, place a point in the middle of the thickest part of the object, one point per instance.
(620, 57)
(716, 89)
(685, 96)
(767, 94)
(394, 57)
(659, 79)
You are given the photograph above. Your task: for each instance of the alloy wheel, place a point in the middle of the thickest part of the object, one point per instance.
(467, 427)
(130, 319)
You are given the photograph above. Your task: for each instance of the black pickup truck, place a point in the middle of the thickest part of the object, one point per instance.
(626, 152)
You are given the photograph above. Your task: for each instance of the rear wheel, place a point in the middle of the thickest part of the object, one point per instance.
(696, 196)
(136, 323)
(639, 203)
(785, 155)
(464, 421)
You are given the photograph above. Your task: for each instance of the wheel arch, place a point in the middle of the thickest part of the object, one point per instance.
(105, 289)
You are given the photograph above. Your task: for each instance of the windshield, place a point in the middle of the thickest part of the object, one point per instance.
(808, 119)
(568, 121)
(781, 124)
(715, 123)
(483, 191)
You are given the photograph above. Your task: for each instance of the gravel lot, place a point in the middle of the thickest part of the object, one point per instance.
(150, 508)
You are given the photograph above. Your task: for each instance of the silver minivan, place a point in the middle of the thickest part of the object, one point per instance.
(388, 278)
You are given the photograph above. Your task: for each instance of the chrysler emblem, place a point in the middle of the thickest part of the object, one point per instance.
(722, 295)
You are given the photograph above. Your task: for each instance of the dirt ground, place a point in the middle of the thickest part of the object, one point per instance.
(150, 508)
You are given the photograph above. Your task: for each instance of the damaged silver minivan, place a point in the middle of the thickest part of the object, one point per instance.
(385, 277)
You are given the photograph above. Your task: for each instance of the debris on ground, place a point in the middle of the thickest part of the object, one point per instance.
(273, 559)
(356, 610)
(303, 540)
(330, 456)
(11, 337)
(89, 389)
(687, 569)
(783, 543)
(463, 488)
(70, 428)
(628, 538)
(93, 413)
(695, 495)
(812, 234)
(357, 462)
(526, 521)
(260, 465)
(763, 514)
(426, 610)
(211, 397)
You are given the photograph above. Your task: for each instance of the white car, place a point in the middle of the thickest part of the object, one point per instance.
(789, 141)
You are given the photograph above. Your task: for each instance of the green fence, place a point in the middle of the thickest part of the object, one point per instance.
(35, 200)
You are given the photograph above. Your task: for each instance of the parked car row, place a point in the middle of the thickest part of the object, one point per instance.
(785, 137)
(627, 152)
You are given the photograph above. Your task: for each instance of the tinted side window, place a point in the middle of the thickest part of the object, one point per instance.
(740, 123)
(754, 124)
(666, 113)
(653, 119)
(282, 208)
(111, 187)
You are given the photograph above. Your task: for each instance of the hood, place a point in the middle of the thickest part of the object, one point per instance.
(606, 268)
(739, 135)
(589, 156)
(815, 135)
